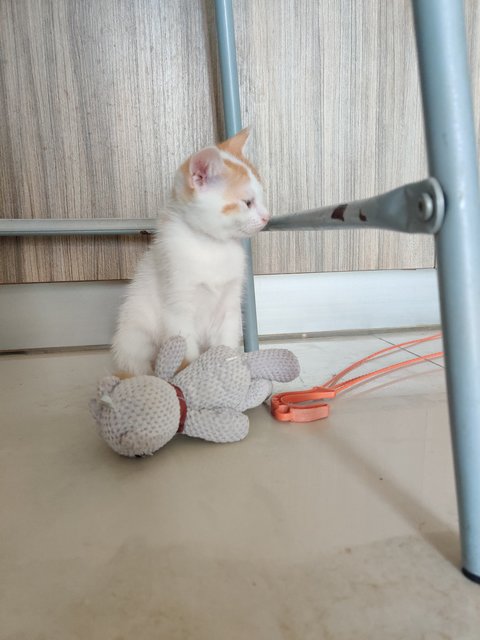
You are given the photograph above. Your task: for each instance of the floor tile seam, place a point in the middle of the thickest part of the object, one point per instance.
(406, 350)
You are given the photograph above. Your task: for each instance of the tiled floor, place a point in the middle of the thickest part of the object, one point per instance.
(342, 529)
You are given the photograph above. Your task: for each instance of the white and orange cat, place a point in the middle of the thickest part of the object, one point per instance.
(190, 280)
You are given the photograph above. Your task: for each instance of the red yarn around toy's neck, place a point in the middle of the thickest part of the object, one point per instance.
(183, 408)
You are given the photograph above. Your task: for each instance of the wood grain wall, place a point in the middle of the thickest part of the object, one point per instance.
(101, 101)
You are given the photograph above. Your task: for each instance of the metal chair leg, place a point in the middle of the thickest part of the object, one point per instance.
(233, 124)
(452, 155)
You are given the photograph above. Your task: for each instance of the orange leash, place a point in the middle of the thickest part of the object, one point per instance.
(289, 406)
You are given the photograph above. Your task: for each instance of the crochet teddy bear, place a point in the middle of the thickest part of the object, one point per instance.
(139, 415)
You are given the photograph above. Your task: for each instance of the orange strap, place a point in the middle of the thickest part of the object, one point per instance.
(290, 406)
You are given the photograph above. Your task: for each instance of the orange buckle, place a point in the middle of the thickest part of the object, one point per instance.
(286, 407)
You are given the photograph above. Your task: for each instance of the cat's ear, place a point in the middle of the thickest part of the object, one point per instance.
(205, 166)
(237, 143)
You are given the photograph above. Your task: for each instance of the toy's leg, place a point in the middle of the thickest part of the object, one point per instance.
(450, 131)
(233, 124)
(216, 425)
(258, 392)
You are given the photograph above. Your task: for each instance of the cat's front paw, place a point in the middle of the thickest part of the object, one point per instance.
(191, 352)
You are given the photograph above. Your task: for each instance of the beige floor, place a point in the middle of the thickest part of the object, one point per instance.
(341, 529)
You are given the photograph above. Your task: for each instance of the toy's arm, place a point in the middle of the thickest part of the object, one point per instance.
(258, 392)
(216, 425)
(170, 358)
(280, 365)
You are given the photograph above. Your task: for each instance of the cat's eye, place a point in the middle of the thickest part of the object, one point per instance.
(249, 203)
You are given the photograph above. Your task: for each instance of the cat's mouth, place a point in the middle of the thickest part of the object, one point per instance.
(251, 231)
(261, 224)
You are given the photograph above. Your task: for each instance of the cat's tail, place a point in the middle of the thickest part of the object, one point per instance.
(123, 375)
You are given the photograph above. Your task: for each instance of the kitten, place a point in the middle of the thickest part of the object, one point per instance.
(190, 280)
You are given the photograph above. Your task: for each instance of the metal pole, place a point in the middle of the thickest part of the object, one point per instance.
(76, 226)
(452, 156)
(233, 124)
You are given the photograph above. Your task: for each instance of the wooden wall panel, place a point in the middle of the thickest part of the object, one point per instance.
(102, 100)
(341, 120)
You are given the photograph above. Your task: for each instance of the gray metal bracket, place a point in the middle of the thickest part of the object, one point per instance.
(418, 207)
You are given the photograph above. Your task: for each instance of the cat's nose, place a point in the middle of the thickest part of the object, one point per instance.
(265, 217)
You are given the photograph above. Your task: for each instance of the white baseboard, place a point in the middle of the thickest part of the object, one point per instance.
(83, 313)
(353, 301)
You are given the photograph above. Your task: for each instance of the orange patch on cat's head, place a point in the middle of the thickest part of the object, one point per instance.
(236, 173)
(236, 143)
(230, 208)
(237, 181)
(235, 146)
(185, 170)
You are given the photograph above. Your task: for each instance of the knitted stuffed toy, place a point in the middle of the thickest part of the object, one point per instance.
(137, 416)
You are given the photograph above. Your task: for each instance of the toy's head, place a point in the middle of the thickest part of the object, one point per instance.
(136, 416)
(102, 404)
